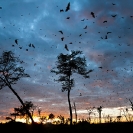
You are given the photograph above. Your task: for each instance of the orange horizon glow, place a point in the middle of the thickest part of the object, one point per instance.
(82, 114)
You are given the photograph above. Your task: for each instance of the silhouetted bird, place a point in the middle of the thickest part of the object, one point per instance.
(113, 4)
(109, 32)
(33, 46)
(66, 47)
(16, 41)
(85, 27)
(93, 15)
(68, 7)
(68, 18)
(61, 10)
(113, 15)
(82, 19)
(100, 67)
(62, 38)
(105, 21)
(30, 45)
(60, 31)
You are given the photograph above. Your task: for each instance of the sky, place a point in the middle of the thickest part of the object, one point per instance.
(105, 39)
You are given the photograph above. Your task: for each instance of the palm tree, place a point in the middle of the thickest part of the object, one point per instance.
(67, 65)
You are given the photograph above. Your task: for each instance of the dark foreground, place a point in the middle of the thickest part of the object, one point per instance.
(84, 127)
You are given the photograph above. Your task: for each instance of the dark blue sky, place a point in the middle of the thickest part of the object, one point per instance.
(39, 21)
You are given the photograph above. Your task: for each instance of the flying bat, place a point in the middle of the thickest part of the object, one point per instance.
(61, 10)
(68, 18)
(60, 31)
(82, 19)
(113, 15)
(30, 45)
(105, 21)
(85, 27)
(66, 47)
(16, 41)
(100, 67)
(109, 32)
(93, 15)
(68, 7)
(33, 46)
(62, 38)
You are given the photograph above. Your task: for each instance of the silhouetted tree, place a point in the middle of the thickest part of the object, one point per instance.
(66, 66)
(42, 119)
(127, 115)
(62, 119)
(99, 109)
(74, 107)
(10, 119)
(20, 111)
(39, 111)
(90, 111)
(51, 116)
(15, 114)
(119, 118)
(10, 73)
(131, 104)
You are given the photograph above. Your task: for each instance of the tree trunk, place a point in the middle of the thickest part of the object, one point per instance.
(27, 111)
(75, 112)
(70, 108)
(99, 117)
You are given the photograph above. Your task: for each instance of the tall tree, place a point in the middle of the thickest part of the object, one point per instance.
(66, 66)
(10, 72)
